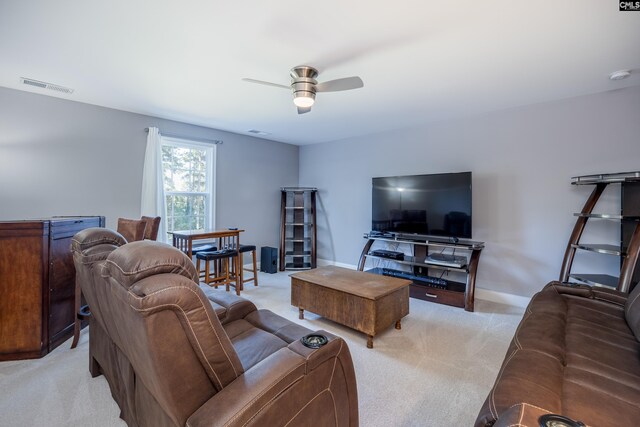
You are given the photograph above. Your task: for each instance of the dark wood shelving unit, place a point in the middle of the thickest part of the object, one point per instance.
(455, 293)
(298, 228)
(629, 218)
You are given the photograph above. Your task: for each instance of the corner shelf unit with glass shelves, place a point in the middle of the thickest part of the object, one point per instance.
(629, 219)
(432, 281)
(298, 228)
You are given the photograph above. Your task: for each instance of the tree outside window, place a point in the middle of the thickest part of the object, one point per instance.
(188, 175)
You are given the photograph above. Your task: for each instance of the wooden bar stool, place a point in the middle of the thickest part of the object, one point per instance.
(206, 247)
(221, 271)
(244, 249)
(228, 243)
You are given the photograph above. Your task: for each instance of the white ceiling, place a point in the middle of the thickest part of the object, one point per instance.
(421, 61)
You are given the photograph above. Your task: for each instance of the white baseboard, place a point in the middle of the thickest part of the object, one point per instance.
(483, 294)
(502, 297)
(323, 262)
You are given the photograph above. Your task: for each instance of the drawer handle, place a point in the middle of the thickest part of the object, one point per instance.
(431, 295)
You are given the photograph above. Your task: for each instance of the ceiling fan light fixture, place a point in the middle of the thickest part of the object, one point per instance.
(304, 86)
(304, 99)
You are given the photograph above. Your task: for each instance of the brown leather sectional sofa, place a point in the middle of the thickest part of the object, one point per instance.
(175, 354)
(576, 353)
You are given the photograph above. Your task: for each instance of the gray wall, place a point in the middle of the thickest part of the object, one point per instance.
(522, 161)
(59, 157)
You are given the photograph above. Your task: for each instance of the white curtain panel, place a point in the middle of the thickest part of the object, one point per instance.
(153, 199)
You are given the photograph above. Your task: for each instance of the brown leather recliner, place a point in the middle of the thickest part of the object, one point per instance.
(174, 355)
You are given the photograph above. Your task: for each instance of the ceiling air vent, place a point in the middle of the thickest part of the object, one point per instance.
(45, 85)
(258, 132)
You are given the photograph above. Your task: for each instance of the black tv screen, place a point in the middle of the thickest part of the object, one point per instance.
(433, 205)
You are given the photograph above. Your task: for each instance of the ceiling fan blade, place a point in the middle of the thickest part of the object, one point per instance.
(302, 110)
(260, 82)
(346, 83)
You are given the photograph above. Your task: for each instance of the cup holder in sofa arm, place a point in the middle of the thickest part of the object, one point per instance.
(314, 340)
(316, 356)
(553, 420)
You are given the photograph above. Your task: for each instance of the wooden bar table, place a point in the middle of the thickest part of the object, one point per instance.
(183, 240)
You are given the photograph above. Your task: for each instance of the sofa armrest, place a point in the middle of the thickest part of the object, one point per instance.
(575, 289)
(245, 397)
(316, 357)
(291, 384)
(610, 295)
(236, 307)
(593, 292)
(521, 415)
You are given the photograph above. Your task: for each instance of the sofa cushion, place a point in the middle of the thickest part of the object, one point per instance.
(632, 311)
(252, 344)
(598, 400)
(277, 325)
(137, 260)
(236, 307)
(543, 325)
(220, 310)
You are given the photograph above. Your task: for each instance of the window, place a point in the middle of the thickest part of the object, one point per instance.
(187, 169)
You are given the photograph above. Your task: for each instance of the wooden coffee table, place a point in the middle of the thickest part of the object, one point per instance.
(366, 302)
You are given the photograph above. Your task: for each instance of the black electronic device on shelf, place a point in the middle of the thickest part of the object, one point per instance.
(433, 282)
(446, 260)
(383, 253)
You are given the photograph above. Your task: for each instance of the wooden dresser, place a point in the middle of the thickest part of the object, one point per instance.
(37, 284)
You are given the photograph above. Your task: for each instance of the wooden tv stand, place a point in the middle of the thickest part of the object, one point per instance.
(455, 293)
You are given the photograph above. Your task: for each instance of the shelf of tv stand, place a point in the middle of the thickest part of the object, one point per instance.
(433, 241)
(409, 260)
(453, 294)
(457, 293)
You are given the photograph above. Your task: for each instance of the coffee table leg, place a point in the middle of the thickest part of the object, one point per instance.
(369, 341)
(301, 313)
(398, 324)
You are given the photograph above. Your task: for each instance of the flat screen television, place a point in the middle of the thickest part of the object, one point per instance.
(432, 205)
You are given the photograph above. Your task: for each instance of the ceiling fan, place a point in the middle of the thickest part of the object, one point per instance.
(304, 86)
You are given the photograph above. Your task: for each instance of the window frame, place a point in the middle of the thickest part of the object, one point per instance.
(210, 177)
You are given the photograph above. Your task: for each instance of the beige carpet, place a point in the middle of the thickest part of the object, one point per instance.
(436, 371)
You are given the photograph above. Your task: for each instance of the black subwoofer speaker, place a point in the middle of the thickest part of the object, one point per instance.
(268, 259)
